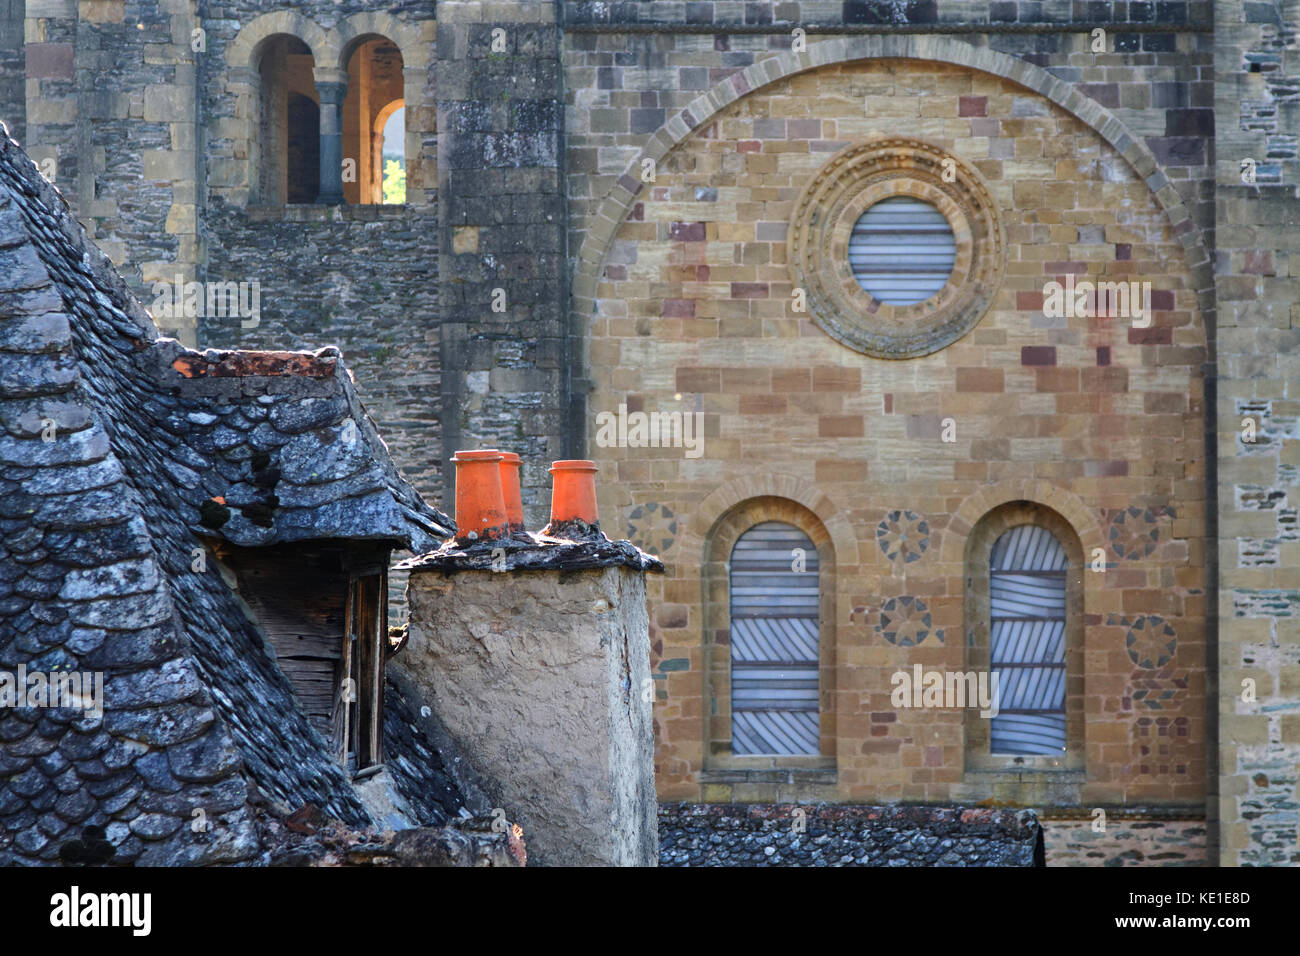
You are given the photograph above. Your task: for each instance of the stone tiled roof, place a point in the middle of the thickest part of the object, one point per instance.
(118, 449)
(716, 834)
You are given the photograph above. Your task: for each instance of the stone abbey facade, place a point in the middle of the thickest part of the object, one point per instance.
(625, 221)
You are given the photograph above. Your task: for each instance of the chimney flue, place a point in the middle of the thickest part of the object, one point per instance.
(480, 503)
(510, 491)
(573, 500)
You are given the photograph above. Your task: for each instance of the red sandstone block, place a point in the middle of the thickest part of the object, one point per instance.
(827, 472)
(1029, 301)
(1061, 268)
(1038, 355)
(804, 128)
(49, 61)
(1103, 355)
(1162, 299)
(840, 426)
(1057, 380)
(748, 146)
(687, 231)
(1123, 251)
(837, 379)
(763, 405)
(749, 380)
(1156, 335)
(699, 380)
(1259, 263)
(679, 308)
(791, 380)
(972, 106)
(980, 380)
(749, 290)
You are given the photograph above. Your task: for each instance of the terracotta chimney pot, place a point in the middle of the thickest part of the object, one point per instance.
(573, 497)
(480, 503)
(510, 491)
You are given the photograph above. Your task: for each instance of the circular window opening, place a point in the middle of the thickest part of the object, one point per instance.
(902, 250)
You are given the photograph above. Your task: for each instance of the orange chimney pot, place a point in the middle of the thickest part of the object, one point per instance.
(573, 492)
(510, 491)
(480, 504)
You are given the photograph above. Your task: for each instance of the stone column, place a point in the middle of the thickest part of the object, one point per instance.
(331, 87)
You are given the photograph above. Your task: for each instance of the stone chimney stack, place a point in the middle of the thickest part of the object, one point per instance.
(533, 650)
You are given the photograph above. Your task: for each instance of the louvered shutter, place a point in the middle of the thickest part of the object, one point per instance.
(774, 631)
(1027, 641)
(902, 250)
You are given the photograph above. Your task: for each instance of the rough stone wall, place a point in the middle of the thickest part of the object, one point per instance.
(153, 153)
(1127, 840)
(360, 279)
(1259, 373)
(13, 68)
(111, 100)
(501, 178)
(537, 676)
(822, 835)
(364, 278)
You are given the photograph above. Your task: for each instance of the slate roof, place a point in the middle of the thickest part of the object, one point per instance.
(98, 543)
(719, 834)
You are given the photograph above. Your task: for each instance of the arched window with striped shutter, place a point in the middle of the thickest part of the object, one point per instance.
(1027, 601)
(775, 614)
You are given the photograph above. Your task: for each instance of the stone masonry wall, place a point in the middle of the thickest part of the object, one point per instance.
(1259, 391)
(110, 99)
(505, 342)
(13, 68)
(822, 835)
(1125, 840)
(1098, 420)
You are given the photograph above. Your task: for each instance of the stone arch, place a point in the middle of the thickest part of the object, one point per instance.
(415, 54)
(615, 206)
(1068, 505)
(726, 498)
(243, 52)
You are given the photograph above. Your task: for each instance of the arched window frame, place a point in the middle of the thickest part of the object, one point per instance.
(721, 540)
(979, 550)
(361, 120)
(269, 150)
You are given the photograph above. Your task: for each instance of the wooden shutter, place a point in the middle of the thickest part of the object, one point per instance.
(775, 612)
(902, 250)
(358, 723)
(1027, 641)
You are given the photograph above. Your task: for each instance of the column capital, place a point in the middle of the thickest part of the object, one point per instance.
(329, 77)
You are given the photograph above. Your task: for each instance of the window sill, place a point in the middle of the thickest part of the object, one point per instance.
(1060, 774)
(822, 776)
(315, 212)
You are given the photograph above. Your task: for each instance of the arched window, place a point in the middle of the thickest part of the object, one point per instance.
(372, 112)
(775, 610)
(1027, 638)
(287, 156)
(303, 161)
